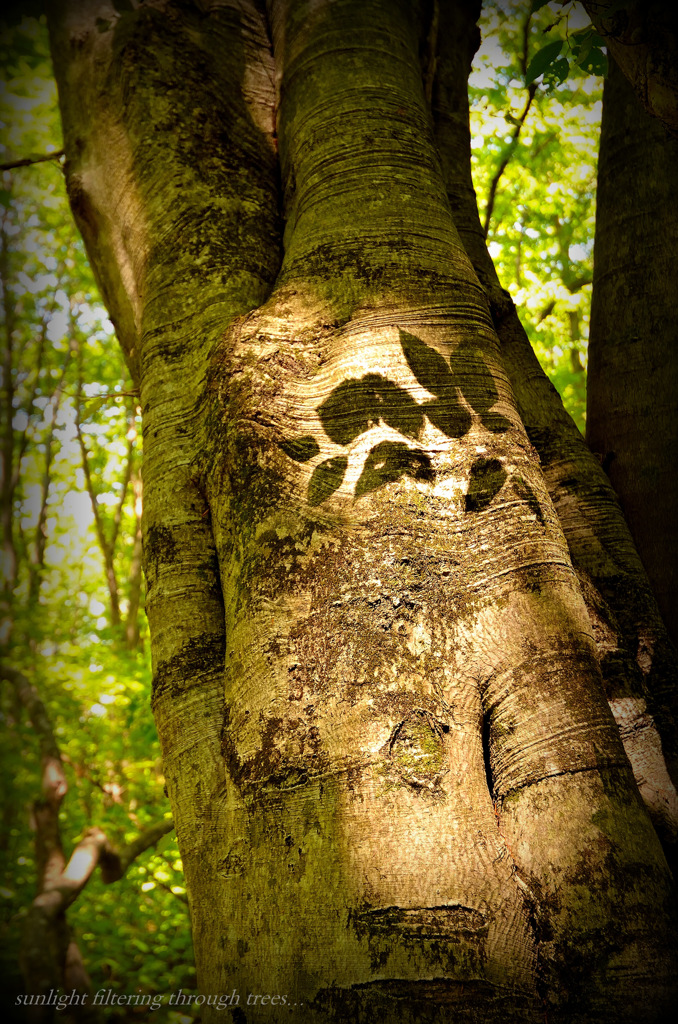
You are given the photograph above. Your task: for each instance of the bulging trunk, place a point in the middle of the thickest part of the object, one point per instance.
(399, 790)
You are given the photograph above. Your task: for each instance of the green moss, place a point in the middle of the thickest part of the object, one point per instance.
(417, 752)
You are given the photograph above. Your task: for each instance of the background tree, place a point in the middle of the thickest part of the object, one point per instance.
(537, 202)
(79, 745)
(633, 374)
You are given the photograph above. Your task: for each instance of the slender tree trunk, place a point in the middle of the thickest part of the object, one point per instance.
(633, 349)
(8, 562)
(399, 791)
(132, 634)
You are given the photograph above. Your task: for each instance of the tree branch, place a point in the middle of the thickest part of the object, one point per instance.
(27, 161)
(37, 713)
(508, 153)
(107, 546)
(531, 90)
(49, 955)
(115, 862)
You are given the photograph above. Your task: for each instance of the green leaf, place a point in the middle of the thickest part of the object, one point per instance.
(586, 46)
(543, 60)
(90, 408)
(5, 197)
(595, 62)
(585, 36)
(557, 73)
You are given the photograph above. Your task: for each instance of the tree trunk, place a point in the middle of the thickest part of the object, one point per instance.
(400, 794)
(637, 660)
(642, 37)
(633, 365)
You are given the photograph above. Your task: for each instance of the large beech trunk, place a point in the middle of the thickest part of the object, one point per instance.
(399, 789)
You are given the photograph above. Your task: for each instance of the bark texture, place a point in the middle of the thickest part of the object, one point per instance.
(637, 660)
(399, 790)
(642, 37)
(633, 361)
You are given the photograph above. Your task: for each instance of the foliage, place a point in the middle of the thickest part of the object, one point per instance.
(64, 376)
(581, 48)
(543, 212)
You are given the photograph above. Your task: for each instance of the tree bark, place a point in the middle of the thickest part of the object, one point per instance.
(642, 37)
(638, 661)
(633, 367)
(399, 790)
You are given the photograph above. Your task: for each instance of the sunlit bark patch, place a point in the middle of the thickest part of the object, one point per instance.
(643, 747)
(417, 751)
(374, 410)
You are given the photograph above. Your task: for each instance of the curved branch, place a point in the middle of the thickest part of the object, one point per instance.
(518, 124)
(115, 862)
(95, 849)
(508, 153)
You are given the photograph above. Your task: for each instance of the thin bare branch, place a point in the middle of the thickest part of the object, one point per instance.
(28, 161)
(518, 124)
(508, 153)
(107, 547)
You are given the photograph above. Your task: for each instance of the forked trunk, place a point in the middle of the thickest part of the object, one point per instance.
(399, 790)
